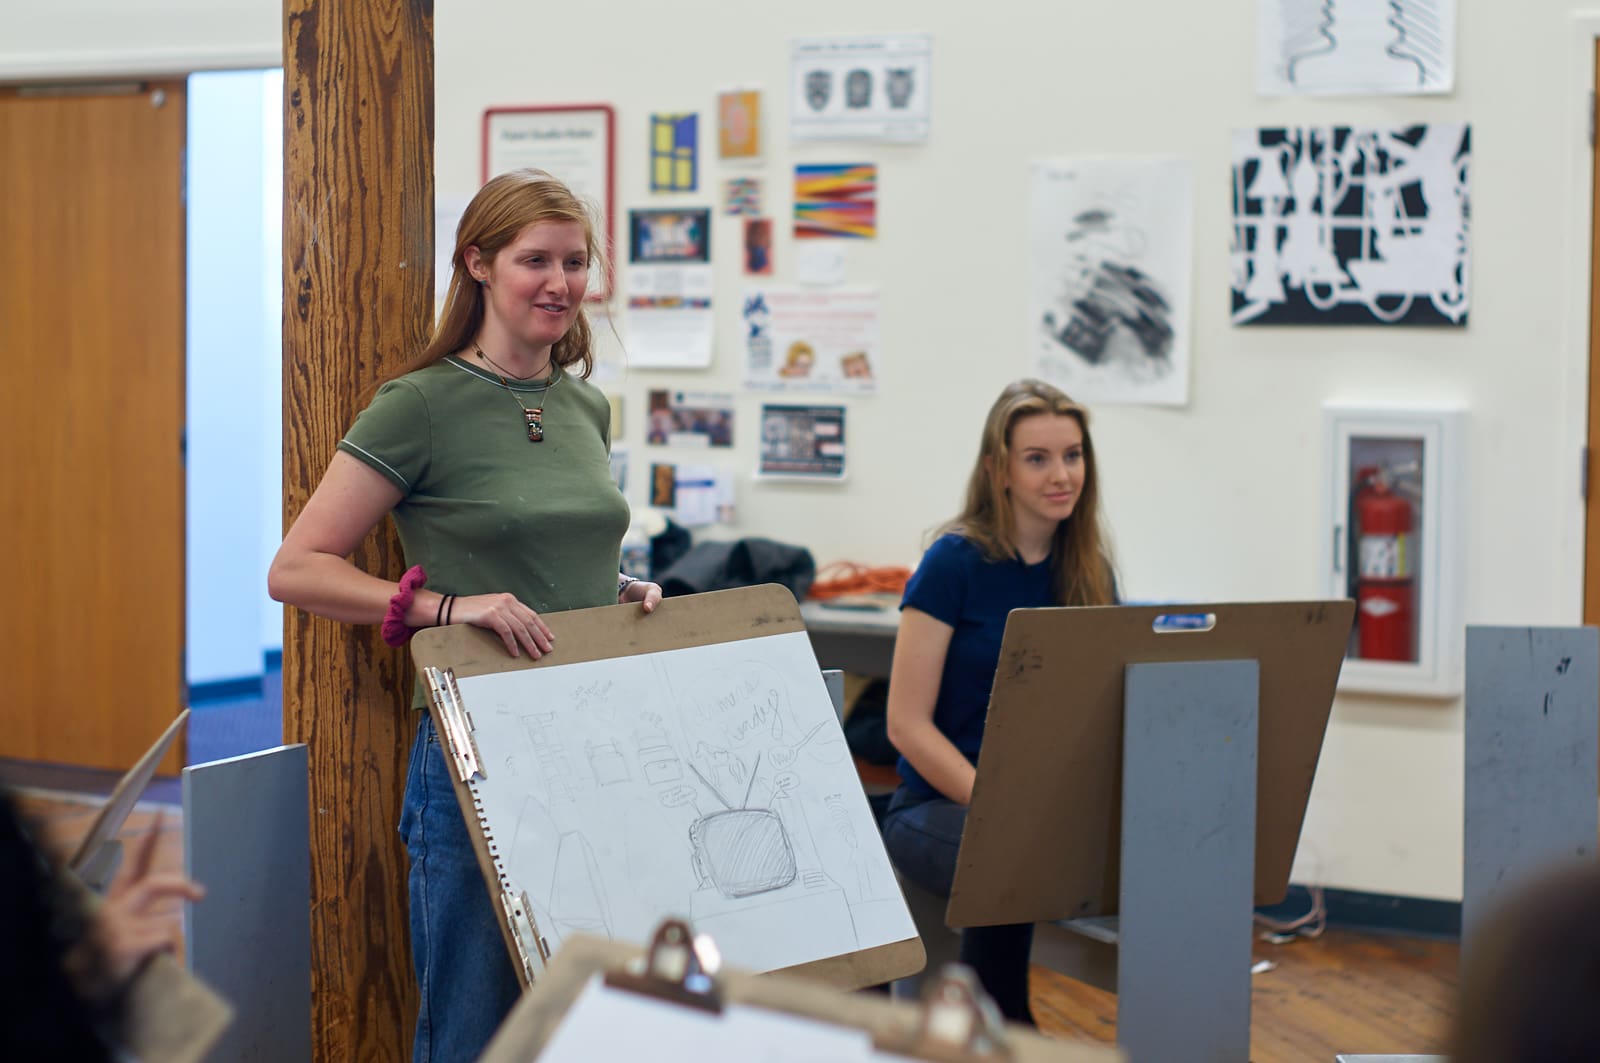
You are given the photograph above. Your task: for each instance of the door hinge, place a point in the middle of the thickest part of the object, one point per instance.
(1591, 118)
(1583, 474)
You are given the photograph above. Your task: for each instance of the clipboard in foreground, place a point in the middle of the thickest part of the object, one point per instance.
(1052, 747)
(94, 860)
(685, 763)
(605, 1000)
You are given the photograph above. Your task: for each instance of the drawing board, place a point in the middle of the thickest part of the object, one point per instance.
(686, 763)
(1043, 836)
(124, 796)
(771, 1019)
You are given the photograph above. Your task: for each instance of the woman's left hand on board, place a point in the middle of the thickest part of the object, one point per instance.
(644, 592)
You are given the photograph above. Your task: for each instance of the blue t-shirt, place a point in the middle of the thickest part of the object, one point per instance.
(957, 584)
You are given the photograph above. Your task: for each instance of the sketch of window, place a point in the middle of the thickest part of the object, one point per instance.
(1336, 225)
(559, 777)
(1351, 47)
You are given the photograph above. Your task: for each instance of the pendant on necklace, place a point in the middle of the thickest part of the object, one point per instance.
(535, 424)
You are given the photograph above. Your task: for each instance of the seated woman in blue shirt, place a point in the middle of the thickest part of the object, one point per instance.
(1029, 535)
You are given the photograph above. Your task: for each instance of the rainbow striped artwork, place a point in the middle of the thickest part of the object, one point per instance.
(836, 200)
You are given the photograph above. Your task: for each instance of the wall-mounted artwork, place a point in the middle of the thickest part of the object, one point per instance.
(739, 124)
(576, 144)
(805, 339)
(1355, 47)
(674, 152)
(1351, 226)
(758, 247)
(836, 200)
(741, 195)
(1109, 263)
(871, 87)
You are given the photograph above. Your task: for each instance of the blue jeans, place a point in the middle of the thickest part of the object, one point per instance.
(464, 973)
(923, 836)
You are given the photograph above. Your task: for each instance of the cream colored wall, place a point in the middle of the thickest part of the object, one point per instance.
(1220, 500)
(114, 38)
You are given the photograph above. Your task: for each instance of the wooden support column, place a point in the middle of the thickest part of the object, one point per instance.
(358, 299)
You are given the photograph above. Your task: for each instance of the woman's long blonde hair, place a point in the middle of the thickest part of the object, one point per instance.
(502, 208)
(1080, 554)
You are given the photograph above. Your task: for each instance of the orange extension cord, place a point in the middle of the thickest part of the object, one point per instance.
(840, 578)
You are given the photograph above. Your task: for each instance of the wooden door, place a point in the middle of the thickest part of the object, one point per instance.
(92, 371)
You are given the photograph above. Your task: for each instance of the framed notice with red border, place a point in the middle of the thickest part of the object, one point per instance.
(575, 142)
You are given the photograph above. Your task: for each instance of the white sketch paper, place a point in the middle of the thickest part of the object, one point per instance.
(1337, 225)
(617, 1024)
(1110, 258)
(871, 87)
(711, 783)
(1355, 47)
(670, 324)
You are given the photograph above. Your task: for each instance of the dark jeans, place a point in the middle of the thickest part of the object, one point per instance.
(464, 972)
(923, 836)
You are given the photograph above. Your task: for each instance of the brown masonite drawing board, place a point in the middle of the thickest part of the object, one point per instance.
(528, 1030)
(1043, 835)
(686, 763)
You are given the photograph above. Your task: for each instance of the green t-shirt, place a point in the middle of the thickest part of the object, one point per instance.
(484, 509)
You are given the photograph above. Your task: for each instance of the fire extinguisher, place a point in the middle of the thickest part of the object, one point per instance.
(1386, 579)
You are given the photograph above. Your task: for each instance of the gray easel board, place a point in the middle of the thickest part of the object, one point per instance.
(1532, 738)
(246, 832)
(619, 769)
(1043, 837)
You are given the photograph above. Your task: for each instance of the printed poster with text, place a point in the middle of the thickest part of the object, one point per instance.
(806, 340)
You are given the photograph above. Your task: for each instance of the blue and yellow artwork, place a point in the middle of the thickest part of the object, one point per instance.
(674, 152)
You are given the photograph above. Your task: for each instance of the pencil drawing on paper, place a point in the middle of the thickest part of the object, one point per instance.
(1336, 225)
(710, 783)
(1110, 269)
(1347, 47)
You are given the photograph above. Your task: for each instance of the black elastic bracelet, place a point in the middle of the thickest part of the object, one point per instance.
(450, 609)
(438, 616)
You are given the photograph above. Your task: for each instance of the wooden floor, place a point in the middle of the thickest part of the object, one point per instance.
(1344, 992)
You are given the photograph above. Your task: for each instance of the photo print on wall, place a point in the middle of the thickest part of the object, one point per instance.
(1109, 267)
(1351, 226)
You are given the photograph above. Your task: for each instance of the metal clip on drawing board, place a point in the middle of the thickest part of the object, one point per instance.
(525, 933)
(959, 1023)
(455, 720)
(673, 970)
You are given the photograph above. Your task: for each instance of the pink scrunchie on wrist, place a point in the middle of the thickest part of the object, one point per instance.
(394, 629)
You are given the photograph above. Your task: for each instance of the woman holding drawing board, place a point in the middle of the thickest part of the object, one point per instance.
(490, 450)
(1029, 535)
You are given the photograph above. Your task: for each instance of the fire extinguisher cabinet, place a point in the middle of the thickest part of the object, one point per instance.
(1392, 542)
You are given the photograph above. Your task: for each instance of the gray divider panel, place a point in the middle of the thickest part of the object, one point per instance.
(1188, 861)
(245, 833)
(1532, 736)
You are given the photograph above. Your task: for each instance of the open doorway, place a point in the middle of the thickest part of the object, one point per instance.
(234, 438)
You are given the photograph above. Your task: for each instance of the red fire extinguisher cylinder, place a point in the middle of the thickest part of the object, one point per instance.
(1386, 587)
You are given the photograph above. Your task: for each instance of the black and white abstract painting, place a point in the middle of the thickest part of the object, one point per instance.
(1355, 47)
(1336, 225)
(1110, 255)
